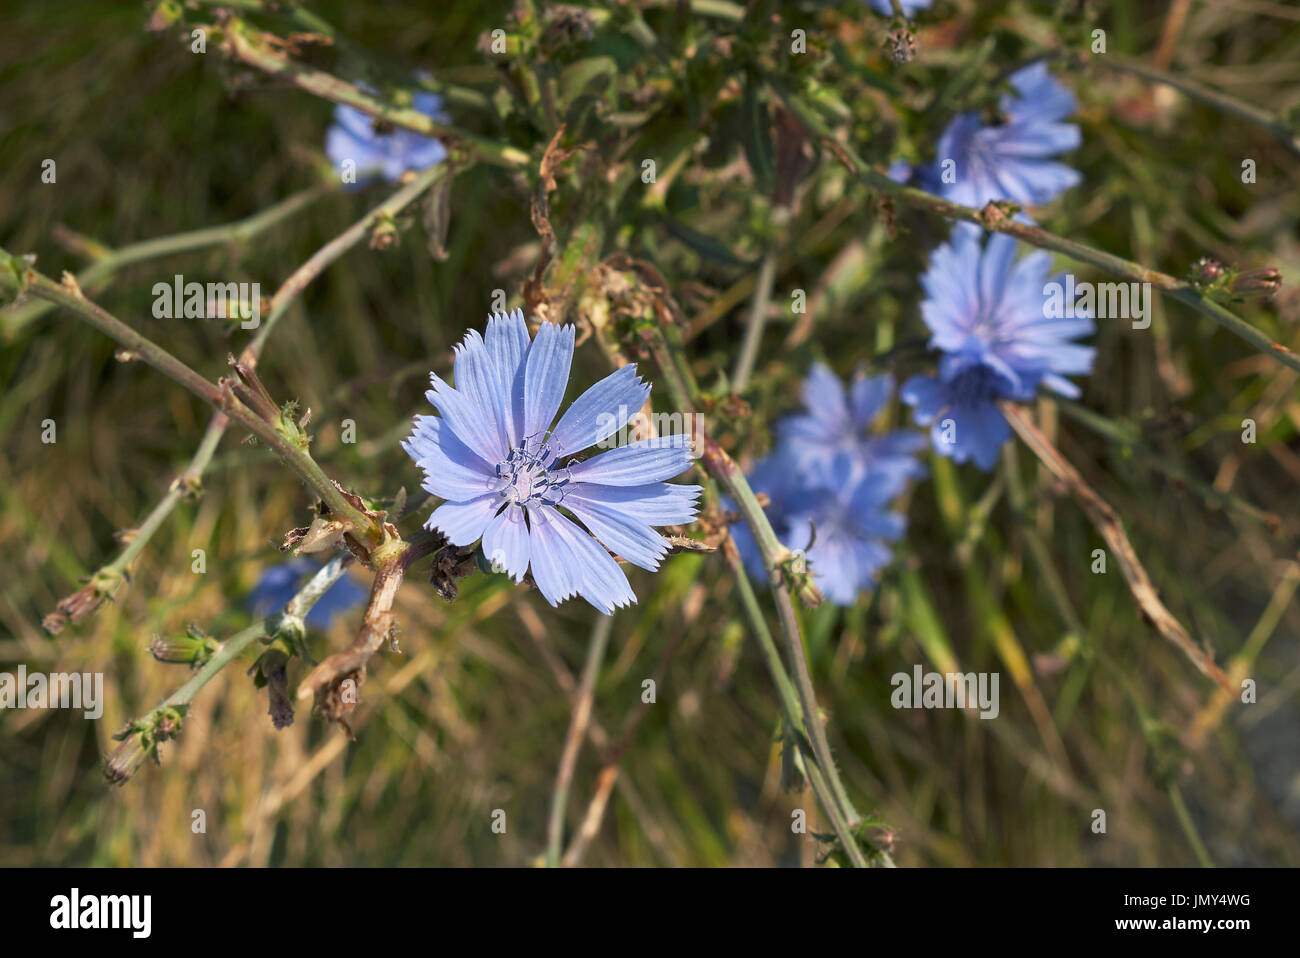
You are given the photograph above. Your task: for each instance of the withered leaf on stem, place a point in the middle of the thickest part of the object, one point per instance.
(436, 217)
(449, 565)
(794, 156)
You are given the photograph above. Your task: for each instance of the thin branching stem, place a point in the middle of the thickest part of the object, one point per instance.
(332, 251)
(668, 352)
(107, 262)
(1108, 525)
(248, 45)
(17, 277)
(110, 575)
(296, 609)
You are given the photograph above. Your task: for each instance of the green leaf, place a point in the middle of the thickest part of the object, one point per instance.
(756, 135)
(705, 246)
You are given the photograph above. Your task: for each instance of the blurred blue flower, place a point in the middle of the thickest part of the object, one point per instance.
(495, 457)
(1010, 161)
(986, 313)
(353, 137)
(900, 171)
(886, 9)
(835, 422)
(829, 484)
(840, 520)
(280, 583)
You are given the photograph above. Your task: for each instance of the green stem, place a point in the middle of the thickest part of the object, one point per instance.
(1189, 827)
(334, 250)
(1189, 87)
(108, 262)
(17, 277)
(665, 344)
(757, 319)
(827, 795)
(110, 575)
(247, 45)
(297, 608)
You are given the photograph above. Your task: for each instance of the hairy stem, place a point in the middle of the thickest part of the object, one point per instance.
(16, 276)
(297, 608)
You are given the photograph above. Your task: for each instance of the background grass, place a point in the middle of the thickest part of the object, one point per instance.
(151, 139)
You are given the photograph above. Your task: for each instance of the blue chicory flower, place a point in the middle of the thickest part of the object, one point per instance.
(505, 471)
(834, 422)
(1010, 161)
(280, 583)
(986, 313)
(829, 483)
(353, 137)
(840, 520)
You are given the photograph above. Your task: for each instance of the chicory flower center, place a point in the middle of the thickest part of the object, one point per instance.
(527, 477)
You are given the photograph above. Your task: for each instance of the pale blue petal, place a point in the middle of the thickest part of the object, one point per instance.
(1041, 97)
(926, 396)
(656, 504)
(834, 570)
(603, 409)
(630, 537)
(546, 374)
(1062, 386)
(637, 463)
(451, 470)
(478, 381)
(554, 562)
(507, 340)
(995, 267)
(353, 137)
(505, 542)
(464, 522)
(600, 581)
(868, 395)
(823, 396)
(358, 124)
(470, 424)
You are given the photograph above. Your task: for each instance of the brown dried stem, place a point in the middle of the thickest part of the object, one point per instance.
(1108, 524)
